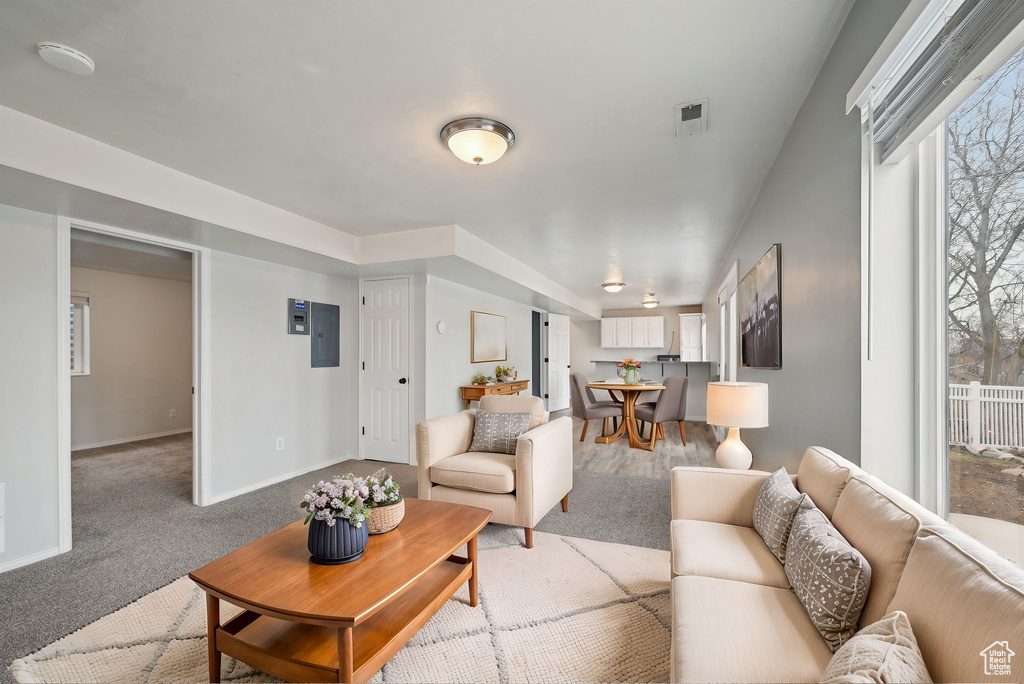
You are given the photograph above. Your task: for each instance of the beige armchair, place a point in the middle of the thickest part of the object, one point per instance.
(519, 489)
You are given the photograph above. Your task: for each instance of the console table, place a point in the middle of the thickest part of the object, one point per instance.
(472, 393)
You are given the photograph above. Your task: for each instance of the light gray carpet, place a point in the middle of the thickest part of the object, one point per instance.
(135, 530)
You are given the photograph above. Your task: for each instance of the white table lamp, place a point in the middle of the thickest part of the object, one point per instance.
(736, 405)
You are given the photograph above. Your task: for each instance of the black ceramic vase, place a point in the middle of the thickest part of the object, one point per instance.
(342, 543)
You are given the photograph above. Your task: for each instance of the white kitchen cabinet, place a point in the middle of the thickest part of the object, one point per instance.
(632, 332)
(608, 338)
(691, 337)
(655, 331)
(638, 332)
(623, 332)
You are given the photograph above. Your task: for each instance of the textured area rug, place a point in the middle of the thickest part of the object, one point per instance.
(568, 610)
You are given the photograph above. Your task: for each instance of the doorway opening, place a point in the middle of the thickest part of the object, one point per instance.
(131, 364)
(538, 366)
(132, 376)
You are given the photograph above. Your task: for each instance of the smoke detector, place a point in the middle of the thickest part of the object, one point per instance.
(691, 118)
(66, 58)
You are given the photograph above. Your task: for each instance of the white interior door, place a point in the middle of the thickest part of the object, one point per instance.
(385, 379)
(558, 362)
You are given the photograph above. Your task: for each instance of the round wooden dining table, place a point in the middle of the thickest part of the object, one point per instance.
(630, 393)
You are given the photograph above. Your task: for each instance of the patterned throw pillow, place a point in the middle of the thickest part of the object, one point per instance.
(830, 577)
(883, 652)
(497, 433)
(774, 510)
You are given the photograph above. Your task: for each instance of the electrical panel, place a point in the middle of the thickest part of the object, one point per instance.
(325, 323)
(298, 317)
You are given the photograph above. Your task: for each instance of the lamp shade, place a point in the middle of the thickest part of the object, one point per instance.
(738, 404)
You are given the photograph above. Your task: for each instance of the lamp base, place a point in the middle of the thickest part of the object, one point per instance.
(733, 453)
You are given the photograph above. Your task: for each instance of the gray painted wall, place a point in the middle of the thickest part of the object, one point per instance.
(262, 384)
(448, 360)
(28, 381)
(810, 202)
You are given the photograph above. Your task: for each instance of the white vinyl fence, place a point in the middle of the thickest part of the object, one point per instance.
(986, 414)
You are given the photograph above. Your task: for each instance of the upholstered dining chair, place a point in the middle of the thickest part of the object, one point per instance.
(585, 408)
(671, 405)
(519, 489)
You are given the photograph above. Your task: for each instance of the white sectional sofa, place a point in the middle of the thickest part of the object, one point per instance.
(736, 619)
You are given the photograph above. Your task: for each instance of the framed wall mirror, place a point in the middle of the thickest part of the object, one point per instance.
(487, 337)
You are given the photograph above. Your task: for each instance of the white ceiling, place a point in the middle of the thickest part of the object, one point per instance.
(331, 110)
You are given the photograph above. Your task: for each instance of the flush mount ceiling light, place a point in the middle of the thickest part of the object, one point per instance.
(476, 140)
(66, 58)
(650, 300)
(613, 287)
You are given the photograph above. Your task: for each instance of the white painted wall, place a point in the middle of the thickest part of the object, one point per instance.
(810, 202)
(889, 380)
(262, 383)
(28, 383)
(447, 356)
(140, 351)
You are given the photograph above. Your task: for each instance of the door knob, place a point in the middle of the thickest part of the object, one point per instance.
(402, 381)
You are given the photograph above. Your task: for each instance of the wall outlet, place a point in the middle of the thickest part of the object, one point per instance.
(279, 444)
(174, 413)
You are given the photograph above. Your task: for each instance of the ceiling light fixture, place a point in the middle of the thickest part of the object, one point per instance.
(66, 58)
(613, 287)
(650, 300)
(476, 140)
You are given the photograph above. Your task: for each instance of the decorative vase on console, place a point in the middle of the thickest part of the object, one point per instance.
(629, 371)
(336, 515)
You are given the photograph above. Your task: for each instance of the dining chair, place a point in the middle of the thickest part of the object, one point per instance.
(671, 405)
(583, 406)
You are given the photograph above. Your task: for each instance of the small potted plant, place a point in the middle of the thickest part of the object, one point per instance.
(629, 371)
(387, 505)
(479, 379)
(336, 511)
(504, 373)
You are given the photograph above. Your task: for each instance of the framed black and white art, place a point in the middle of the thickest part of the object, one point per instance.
(760, 312)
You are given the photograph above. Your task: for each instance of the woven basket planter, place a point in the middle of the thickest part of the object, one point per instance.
(385, 518)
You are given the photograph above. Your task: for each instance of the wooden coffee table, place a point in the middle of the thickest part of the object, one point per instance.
(305, 622)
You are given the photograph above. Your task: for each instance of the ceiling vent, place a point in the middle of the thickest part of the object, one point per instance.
(691, 118)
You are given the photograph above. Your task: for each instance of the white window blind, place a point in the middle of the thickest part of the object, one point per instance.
(959, 39)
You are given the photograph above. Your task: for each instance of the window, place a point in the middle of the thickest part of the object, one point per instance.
(79, 333)
(985, 299)
(728, 326)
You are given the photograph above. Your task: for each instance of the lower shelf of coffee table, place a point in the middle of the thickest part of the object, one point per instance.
(309, 653)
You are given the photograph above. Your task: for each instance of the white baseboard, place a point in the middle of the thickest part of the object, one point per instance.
(126, 440)
(217, 498)
(29, 559)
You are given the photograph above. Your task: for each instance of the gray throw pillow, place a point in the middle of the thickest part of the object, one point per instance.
(830, 577)
(774, 510)
(497, 433)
